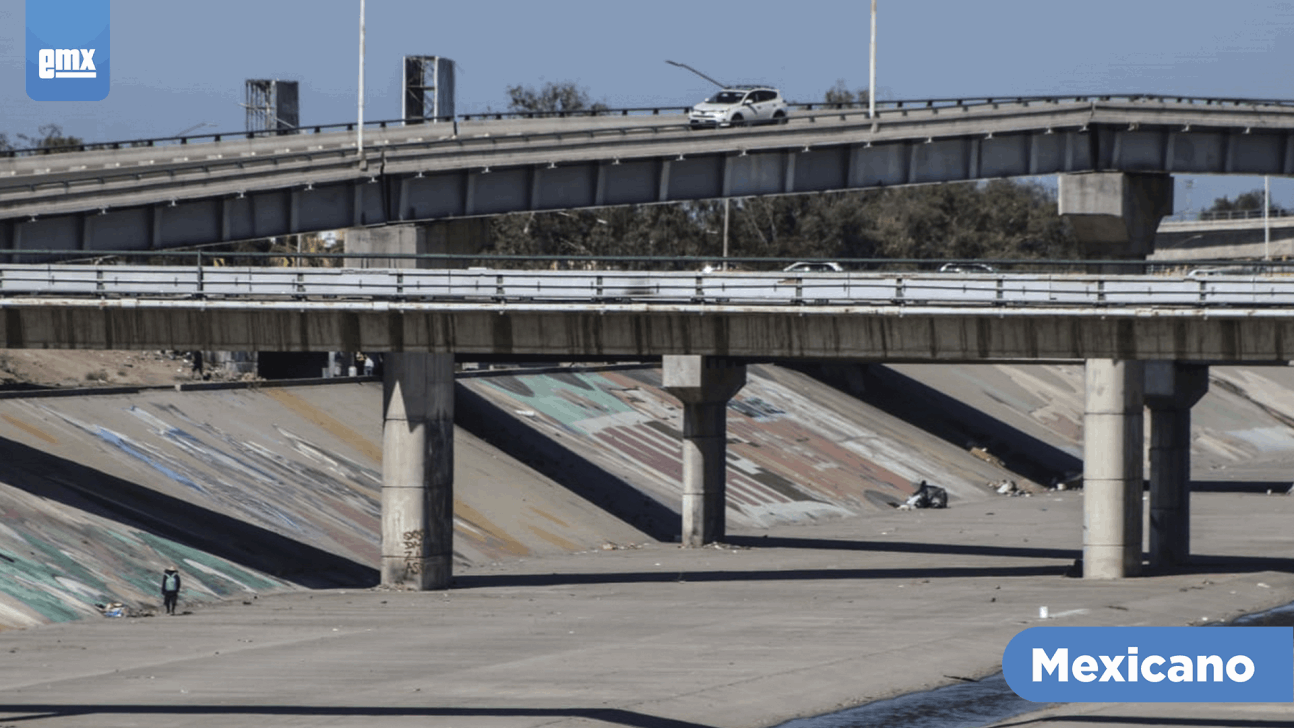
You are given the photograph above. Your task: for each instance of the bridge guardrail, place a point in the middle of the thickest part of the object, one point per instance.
(595, 287)
(883, 108)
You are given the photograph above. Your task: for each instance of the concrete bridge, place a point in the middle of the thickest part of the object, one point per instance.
(150, 197)
(1247, 238)
(1115, 158)
(1146, 340)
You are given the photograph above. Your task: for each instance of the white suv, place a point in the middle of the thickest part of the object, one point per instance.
(740, 105)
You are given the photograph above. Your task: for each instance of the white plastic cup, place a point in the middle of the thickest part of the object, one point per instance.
(1042, 613)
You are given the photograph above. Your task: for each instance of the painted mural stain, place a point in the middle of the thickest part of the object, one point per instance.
(334, 426)
(30, 429)
(789, 458)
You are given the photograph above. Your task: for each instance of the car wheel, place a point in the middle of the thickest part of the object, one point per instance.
(779, 117)
(738, 120)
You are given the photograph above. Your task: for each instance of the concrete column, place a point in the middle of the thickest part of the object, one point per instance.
(1113, 443)
(1115, 216)
(1172, 388)
(704, 384)
(418, 418)
(418, 471)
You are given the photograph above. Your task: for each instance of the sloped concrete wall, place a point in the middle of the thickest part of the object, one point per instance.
(246, 490)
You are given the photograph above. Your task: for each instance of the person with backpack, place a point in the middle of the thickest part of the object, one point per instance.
(170, 589)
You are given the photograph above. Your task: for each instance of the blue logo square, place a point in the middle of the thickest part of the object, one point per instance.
(68, 51)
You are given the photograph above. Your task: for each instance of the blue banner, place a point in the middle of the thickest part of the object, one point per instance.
(68, 50)
(1152, 664)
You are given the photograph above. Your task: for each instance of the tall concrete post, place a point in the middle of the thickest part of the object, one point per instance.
(1172, 388)
(1113, 443)
(418, 471)
(704, 384)
(418, 420)
(1115, 217)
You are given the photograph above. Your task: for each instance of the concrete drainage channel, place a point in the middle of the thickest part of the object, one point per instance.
(972, 704)
(964, 705)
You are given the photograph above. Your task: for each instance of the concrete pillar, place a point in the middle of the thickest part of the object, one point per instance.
(465, 237)
(418, 471)
(418, 418)
(1115, 215)
(1172, 388)
(1112, 469)
(704, 384)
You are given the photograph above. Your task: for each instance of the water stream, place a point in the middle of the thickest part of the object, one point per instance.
(971, 704)
(964, 705)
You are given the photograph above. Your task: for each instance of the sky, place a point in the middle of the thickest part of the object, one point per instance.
(182, 64)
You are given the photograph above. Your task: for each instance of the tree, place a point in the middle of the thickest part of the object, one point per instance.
(999, 219)
(554, 98)
(50, 139)
(1245, 202)
(840, 95)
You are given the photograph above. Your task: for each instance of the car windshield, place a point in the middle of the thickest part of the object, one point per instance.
(727, 97)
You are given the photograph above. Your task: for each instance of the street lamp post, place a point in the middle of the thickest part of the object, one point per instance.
(359, 141)
(1267, 226)
(871, 70)
(693, 70)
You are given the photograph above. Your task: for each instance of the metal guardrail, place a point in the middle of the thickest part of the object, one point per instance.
(1230, 215)
(882, 107)
(1218, 289)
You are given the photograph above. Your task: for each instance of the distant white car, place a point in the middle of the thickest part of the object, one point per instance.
(966, 268)
(740, 105)
(817, 266)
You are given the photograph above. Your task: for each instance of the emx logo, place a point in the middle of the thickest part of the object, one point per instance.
(68, 50)
(67, 63)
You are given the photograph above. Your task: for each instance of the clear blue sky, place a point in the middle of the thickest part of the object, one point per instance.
(177, 64)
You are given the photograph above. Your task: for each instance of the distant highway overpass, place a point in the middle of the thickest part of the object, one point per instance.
(1249, 238)
(154, 197)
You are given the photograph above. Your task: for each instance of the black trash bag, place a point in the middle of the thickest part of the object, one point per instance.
(929, 496)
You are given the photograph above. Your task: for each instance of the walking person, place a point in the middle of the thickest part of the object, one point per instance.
(170, 589)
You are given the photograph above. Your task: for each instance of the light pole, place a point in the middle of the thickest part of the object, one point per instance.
(195, 127)
(359, 142)
(702, 75)
(871, 70)
(1267, 226)
(725, 233)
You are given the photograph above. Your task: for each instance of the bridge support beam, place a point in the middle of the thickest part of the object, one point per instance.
(1115, 215)
(418, 418)
(1113, 443)
(704, 384)
(1172, 388)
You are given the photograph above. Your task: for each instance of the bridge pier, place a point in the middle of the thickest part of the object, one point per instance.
(704, 384)
(1115, 216)
(1172, 388)
(418, 419)
(1113, 443)
(418, 471)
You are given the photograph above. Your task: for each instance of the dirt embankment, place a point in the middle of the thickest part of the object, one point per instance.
(37, 368)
